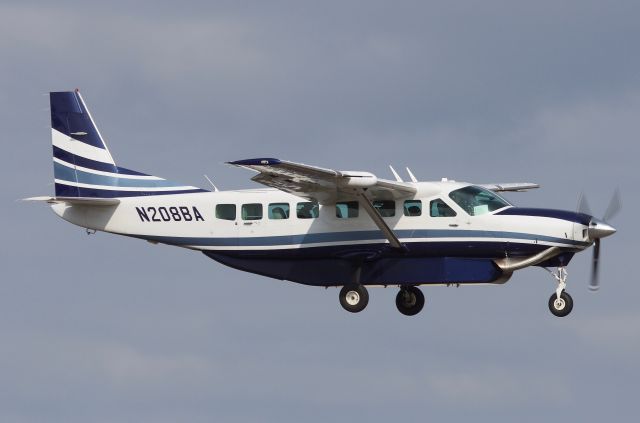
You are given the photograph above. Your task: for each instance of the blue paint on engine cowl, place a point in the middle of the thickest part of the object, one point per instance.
(581, 218)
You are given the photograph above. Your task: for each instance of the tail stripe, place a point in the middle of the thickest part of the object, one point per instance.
(124, 188)
(91, 164)
(80, 148)
(104, 173)
(64, 190)
(63, 172)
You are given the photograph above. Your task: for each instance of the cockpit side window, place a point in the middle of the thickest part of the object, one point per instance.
(477, 201)
(438, 208)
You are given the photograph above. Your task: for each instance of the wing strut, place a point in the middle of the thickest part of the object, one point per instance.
(380, 223)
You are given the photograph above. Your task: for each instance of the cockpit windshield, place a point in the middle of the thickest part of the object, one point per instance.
(476, 201)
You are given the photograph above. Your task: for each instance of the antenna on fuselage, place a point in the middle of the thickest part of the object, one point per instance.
(413, 178)
(395, 174)
(215, 188)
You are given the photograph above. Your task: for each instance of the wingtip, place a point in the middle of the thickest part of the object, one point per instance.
(263, 161)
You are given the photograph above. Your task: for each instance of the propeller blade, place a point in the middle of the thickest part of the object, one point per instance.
(583, 205)
(615, 205)
(595, 285)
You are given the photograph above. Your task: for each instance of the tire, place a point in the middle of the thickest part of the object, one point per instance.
(410, 301)
(354, 298)
(563, 306)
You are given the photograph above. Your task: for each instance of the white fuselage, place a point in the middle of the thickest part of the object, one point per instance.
(189, 220)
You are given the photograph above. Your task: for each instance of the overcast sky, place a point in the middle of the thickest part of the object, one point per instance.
(102, 328)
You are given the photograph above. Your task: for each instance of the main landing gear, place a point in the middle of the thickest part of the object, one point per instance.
(409, 301)
(354, 298)
(560, 303)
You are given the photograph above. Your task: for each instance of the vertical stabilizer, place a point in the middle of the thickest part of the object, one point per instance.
(82, 164)
(76, 141)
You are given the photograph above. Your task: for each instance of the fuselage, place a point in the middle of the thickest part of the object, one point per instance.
(281, 235)
(320, 226)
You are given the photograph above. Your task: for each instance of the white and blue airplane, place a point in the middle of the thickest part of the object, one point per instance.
(322, 227)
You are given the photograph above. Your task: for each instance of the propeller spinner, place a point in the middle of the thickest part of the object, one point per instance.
(598, 229)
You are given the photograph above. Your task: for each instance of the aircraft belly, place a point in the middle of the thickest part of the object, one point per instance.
(386, 271)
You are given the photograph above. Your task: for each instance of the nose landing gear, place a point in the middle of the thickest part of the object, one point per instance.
(560, 303)
(561, 306)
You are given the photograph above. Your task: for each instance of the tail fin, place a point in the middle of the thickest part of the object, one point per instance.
(82, 163)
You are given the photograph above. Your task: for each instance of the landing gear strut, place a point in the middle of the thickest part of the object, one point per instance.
(410, 300)
(354, 298)
(560, 303)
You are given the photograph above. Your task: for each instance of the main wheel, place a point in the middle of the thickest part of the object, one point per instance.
(410, 301)
(354, 298)
(561, 306)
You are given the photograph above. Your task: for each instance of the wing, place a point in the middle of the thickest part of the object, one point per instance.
(511, 186)
(323, 185)
(328, 186)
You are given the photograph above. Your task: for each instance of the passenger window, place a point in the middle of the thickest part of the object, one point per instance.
(412, 208)
(439, 208)
(347, 209)
(279, 211)
(226, 211)
(307, 210)
(386, 208)
(252, 211)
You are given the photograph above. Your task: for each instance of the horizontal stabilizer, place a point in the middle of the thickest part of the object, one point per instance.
(85, 201)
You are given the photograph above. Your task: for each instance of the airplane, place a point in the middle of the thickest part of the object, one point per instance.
(323, 227)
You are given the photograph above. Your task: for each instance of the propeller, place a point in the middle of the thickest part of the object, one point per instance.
(615, 205)
(583, 205)
(598, 229)
(594, 284)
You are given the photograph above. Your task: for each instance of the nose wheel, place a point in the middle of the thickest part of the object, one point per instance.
(561, 306)
(410, 301)
(560, 303)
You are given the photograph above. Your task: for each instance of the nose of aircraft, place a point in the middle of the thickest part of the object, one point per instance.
(599, 229)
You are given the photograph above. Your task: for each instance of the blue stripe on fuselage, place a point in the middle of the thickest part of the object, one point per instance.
(364, 236)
